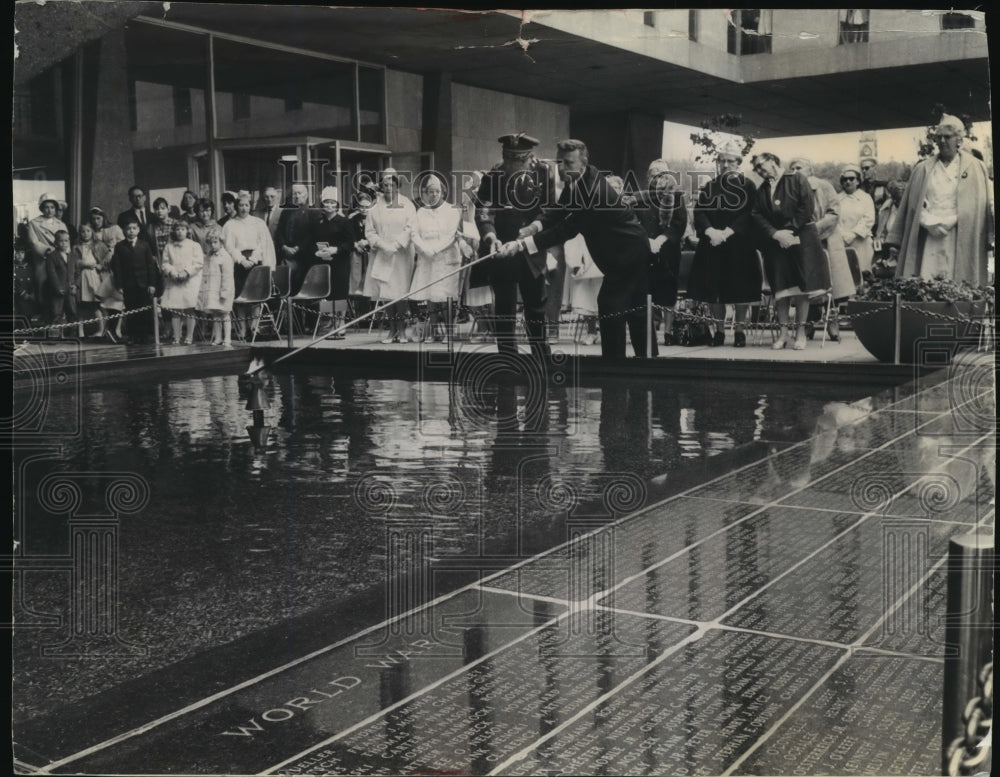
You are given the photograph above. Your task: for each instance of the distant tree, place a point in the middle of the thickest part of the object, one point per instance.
(714, 132)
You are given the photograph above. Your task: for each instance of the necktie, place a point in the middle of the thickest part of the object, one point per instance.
(142, 218)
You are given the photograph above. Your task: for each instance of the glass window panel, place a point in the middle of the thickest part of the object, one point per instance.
(371, 100)
(254, 169)
(166, 74)
(289, 94)
(40, 139)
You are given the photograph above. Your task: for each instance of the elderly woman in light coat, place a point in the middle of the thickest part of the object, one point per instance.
(857, 217)
(390, 270)
(945, 221)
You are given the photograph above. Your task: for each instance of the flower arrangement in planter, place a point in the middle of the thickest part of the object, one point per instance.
(914, 289)
(937, 309)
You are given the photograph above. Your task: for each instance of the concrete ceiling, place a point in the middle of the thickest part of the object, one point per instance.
(479, 49)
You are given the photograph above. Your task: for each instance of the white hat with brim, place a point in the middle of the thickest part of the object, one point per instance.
(47, 198)
(329, 193)
(731, 149)
(951, 122)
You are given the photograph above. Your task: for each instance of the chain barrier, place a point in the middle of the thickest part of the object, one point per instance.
(966, 754)
(682, 315)
(84, 322)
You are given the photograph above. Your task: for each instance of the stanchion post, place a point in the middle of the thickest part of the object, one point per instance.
(968, 631)
(649, 326)
(897, 325)
(449, 329)
(291, 312)
(156, 321)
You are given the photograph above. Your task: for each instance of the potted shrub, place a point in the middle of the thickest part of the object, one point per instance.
(936, 309)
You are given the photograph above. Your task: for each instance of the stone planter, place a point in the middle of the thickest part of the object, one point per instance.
(873, 324)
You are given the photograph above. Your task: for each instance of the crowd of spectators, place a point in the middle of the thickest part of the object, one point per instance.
(782, 232)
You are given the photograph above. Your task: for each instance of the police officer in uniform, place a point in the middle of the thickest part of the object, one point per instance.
(510, 197)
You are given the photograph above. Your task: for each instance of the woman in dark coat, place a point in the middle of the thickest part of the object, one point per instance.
(794, 261)
(662, 212)
(335, 237)
(726, 268)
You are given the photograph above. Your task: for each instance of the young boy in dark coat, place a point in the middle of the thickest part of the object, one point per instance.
(138, 277)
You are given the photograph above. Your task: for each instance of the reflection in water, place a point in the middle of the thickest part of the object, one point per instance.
(253, 537)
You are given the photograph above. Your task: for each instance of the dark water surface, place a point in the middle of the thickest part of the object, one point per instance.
(234, 541)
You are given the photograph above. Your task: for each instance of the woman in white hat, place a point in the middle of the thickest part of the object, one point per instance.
(387, 230)
(435, 234)
(335, 237)
(857, 217)
(42, 238)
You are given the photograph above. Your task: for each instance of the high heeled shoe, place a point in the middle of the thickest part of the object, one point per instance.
(780, 343)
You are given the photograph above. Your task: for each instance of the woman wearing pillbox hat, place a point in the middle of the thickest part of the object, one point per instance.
(435, 234)
(387, 230)
(335, 236)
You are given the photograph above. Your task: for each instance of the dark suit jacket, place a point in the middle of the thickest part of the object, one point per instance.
(135, 268)
(273, 221)
(125, 214)
(592, 208)
(296, 228)
(60, 272)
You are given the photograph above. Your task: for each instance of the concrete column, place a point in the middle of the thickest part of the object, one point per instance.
(436, 134)
(108, 169)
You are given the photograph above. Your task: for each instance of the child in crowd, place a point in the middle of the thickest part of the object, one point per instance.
(90, 255)
(61, 281)
(217, 287)
(138, 277)
(24, 284)
(182, 264)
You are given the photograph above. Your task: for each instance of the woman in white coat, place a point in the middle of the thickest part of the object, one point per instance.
(387, 230)
(435, 235)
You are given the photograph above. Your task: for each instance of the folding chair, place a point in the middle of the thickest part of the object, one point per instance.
(257, 291)
(315, 286)
(280, 289)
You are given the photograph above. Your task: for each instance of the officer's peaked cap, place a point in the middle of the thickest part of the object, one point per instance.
(519, 141)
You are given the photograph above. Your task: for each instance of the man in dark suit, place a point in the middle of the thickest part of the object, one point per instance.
(139, 211)
(270, 210)
(510, 197)
(137, 276)
(591, 207)
(294, 239)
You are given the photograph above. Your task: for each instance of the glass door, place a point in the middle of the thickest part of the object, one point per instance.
(348, 167)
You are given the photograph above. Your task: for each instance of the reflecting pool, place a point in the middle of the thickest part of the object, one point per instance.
(222, 540)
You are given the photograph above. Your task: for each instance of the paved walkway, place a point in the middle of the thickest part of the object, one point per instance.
(780, 619)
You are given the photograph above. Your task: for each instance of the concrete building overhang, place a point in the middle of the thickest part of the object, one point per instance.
(494, 50)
